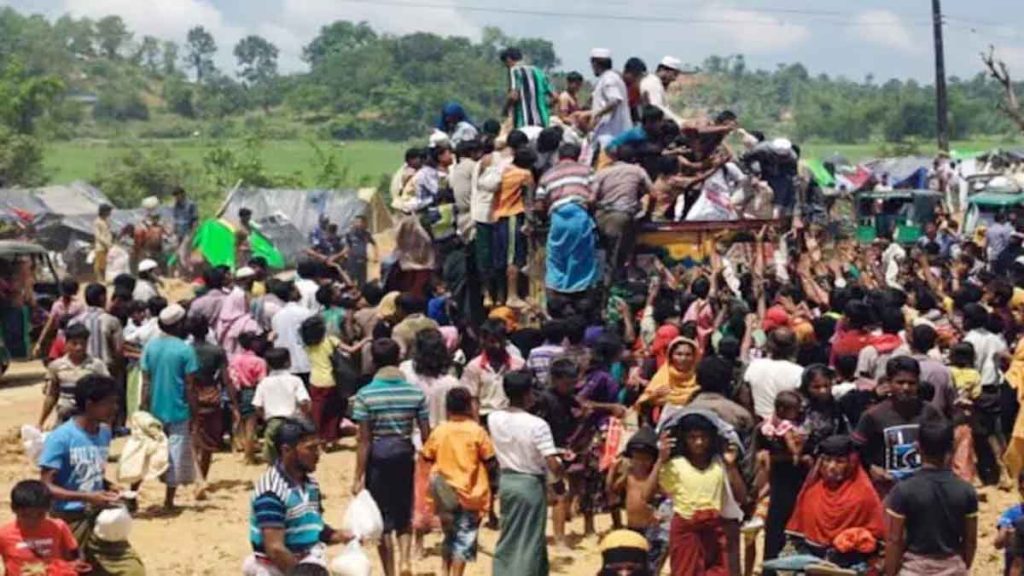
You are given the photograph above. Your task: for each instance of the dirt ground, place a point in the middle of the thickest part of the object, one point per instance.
(211, 537)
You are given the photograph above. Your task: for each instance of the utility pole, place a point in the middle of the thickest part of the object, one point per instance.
(941, 104)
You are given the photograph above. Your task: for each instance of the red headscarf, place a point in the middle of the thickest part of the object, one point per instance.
(821, 514)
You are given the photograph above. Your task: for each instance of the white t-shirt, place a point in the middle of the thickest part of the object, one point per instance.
(767, 377)
(521, 441)
(654, 91)
(307, 294)
(611, 89)
(144, 290)
(280, 394)
(435, 389)
(286, 325)
(986, 347)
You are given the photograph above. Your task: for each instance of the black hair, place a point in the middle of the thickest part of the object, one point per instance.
(467, 147)
(517, 385)
(892, 320)
(413, 154)
(962, 355)
(922, 338)
(511, 53)
(93, 388)
(667, 166)
(244, 213)
(553, 331)
(308, 269)
(372, 293)
(695, 423)
(569, 150)
(385, 352)
(124, 284)
(810, 373)
(701, 287)
(626, 153)
(313, 330)
(729, 348)
(975, 316)
(409, 303)
(258, 262)
(606, 350)
(291, 432)
(215, 278)
(858, 314)
(725, 116)
(68, 287)
(902, 364)
(575, 329)
(459, 401)
(549, 139)
(325, 295)
(248, 339)
(846, 366)
(574, 77)
(563, 368)
(105, 209)
(76, 332)
(430, 353)
(283, 289)
(935, 438)
(714, 375)
(782, 343)
(492, 327)
(524, 158)
(788, 399)
(517, 139)
(30, 495)
(635, 65)
(155, 305)
(198, 327)
(491, 127)
(278, 358)
(96, 295)
(651, 113)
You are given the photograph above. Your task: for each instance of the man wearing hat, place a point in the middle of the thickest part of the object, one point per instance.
(145, 284)
(653, 86)
(609, 111)
(169, 366)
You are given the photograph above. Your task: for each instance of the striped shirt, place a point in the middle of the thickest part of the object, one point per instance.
(618, 188)
(532, 85)
(390, 404)
(277, 502)
(566, 181)
(540, 361)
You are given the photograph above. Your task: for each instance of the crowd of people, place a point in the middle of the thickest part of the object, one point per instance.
(847, 402)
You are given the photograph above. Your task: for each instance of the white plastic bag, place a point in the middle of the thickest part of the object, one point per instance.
(363, 518)
(352, 561)
(113, 525)
(32, 440)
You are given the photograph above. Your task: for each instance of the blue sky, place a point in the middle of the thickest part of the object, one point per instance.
(885, 38)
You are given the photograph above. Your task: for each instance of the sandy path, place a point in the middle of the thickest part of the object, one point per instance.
(211, 537)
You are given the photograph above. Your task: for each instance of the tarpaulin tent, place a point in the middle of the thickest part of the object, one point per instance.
(305, 207)
(215, 240)
(821, 174)
(910, 172)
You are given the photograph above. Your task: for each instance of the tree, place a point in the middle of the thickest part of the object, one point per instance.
(169, 64)
(201, 48)
(337, 37)
(112, 35)
(148, 54)
(257, 60)
(1001, 73)
(21, 160)
(25, 97)
(77, 35)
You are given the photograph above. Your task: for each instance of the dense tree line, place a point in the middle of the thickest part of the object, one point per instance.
(64, 77)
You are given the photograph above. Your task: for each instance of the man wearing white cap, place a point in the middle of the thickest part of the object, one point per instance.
(169, 367)
(609, 112)
(145, 285)
(653, 86)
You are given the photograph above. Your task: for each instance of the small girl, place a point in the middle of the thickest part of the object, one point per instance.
(966, 377)
(328, 403)
(245, 370)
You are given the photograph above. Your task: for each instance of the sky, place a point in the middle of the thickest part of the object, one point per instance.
(883, 38)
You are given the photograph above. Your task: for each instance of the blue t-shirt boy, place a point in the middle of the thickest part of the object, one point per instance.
(79, 458)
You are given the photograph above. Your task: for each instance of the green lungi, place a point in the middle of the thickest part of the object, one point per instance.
(522, 548)
(106, 558)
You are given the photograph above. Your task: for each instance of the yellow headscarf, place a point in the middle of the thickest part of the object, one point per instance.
(506, 315)
(681, 385)
(388, 305)
(1014, 455)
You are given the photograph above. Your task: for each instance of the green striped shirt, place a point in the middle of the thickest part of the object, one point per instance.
(391, 405)
(534, 91)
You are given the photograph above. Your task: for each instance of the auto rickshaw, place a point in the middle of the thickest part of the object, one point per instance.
(896, 214)
(28, 287)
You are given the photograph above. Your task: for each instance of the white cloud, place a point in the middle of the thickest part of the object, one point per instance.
(749, 31)
(167, 19)
(305, 17)
(885, 29)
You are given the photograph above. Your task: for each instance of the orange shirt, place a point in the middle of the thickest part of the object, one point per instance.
(458, 449)
(41, 550)
(509, 199)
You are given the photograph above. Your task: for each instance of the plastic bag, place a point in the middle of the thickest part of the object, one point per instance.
(32, 440)
(352, 561)
(363, 518)
(113, 525)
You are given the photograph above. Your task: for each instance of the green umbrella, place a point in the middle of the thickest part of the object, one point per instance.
(215, 240)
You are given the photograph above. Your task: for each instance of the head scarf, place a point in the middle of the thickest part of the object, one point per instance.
(1014, 456)
(681, 385)
(388, 305)
(664, 336)
(821, 514)
(454, 110)
(451, 337)
(234, 319)
(506, 315)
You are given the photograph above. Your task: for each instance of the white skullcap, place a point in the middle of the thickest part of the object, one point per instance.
(672, 63)
(150, 202)
(781, 145)
(602, 53)
(244, 272)
(171, 315)
(147, 265)
(113, 525)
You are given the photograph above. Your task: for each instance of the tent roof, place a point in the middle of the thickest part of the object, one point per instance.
(899, 168)
(303, 208)
(820, 173)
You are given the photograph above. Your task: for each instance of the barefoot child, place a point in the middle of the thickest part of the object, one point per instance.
(698, 478)
(246, 369)
(461, 452)
(279, 397)
(646, 512)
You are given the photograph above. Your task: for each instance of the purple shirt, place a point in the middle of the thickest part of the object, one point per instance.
(602, 388)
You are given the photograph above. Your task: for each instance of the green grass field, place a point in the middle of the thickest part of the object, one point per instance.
(80, 160)
(368, 160)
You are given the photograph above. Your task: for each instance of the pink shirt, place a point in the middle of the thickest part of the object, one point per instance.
(246, 369)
